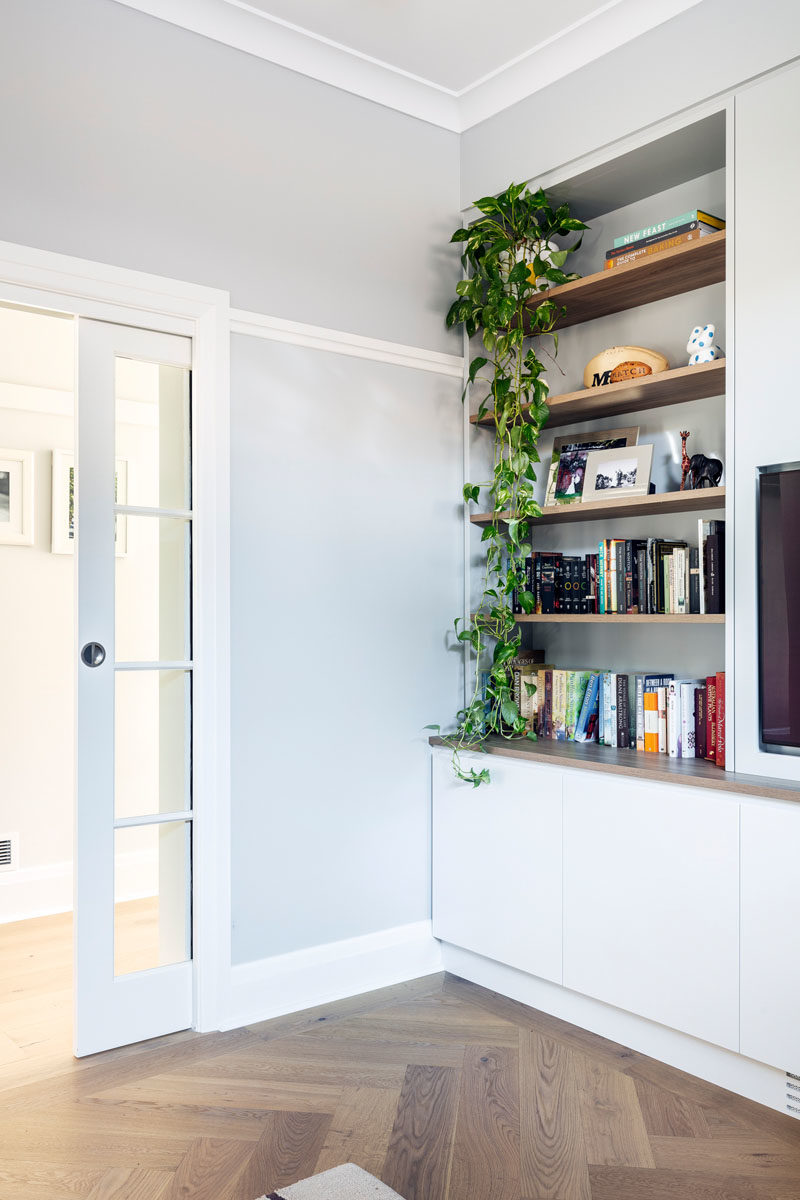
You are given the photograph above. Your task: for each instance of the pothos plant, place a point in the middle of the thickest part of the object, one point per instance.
(509, 258)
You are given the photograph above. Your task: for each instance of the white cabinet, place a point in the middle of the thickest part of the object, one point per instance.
(770, 967)
(651, 901)
(497, 863)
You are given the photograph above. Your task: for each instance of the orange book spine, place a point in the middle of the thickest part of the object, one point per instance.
(651, 722)
(647, 251)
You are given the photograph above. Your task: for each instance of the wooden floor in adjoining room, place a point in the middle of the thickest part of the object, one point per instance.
(440, 1088)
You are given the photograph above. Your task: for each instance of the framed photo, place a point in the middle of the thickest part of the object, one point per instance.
(63, 504)
(614, 473)
(567, 474)
(16, 497)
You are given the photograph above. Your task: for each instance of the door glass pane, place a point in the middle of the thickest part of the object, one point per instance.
(152, 590)
(152, 917)
(152, 407)
(152, 760)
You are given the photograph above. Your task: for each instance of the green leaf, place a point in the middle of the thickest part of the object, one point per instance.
(475, 366)
(436, 727)
(487, 204)
(559, 257)
(509, 711)
(461, 235)
(471, 491)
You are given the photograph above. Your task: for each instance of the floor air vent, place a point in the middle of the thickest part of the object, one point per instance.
(9, 852)
(793, 1093)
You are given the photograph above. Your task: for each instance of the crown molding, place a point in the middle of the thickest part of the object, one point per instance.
(237, 24)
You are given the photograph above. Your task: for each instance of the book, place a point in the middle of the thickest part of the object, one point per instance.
(653, 238)
(711, 717)
(694, 579)
(640, 712)
(674, 717)
(661, 693)
(548, 704)
(715, 567)
(720, 721)
(586, 728)
(700, 721)
(679, 562)
(559, 733)
(667, 243)
(610, 708)
(576, 688)
(695, 214)
(650, 705)
(686, 745)
(623, 713)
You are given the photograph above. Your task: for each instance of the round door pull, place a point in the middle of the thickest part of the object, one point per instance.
(93, 654)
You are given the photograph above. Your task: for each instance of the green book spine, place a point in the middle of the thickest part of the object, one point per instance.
(659, 227)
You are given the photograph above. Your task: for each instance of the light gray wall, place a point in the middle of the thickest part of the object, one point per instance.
(129, 141)
(704, 51)
(347, 568)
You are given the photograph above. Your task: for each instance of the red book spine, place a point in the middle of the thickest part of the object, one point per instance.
(720, 759)
(711, 717)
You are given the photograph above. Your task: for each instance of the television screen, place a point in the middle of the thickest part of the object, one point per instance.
(779, 607)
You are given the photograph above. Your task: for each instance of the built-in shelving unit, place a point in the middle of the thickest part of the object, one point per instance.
(703, 500)
(692, 265)
(621, 618)
(637, 395)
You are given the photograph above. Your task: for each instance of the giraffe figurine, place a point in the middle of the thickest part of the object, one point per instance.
(686, 462)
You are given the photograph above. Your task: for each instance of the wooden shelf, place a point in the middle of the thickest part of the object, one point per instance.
(693, 772)
(703, 500)
(637, 395)
(692, 265)
(620, 618)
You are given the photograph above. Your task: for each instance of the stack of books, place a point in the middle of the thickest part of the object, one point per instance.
(658, 714)
(655, 239)
(639, 575)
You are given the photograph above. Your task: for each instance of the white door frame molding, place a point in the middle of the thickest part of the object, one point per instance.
(47, 280)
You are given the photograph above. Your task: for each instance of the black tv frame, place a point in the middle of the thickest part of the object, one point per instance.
(767, 747)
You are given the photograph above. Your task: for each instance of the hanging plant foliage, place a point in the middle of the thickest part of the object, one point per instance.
(509, 258)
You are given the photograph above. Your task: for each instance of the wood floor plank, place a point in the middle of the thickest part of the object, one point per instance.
(553, 1151)
(747, 1154)
(417, 1161)
(422, 1031)
(669, 1115)
(120, 1183)
(360, 1130)
(486, 1148)
(630, 1183)
(209, 1170)
(339, 1073)
(613, 1128)
(287, 1151)
(340, 1010)
(166, 1090)
(21, 1179)
(310, 1047)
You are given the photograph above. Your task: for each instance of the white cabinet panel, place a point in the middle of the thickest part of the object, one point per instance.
(497, 863)
(770, 967)
(651, 900)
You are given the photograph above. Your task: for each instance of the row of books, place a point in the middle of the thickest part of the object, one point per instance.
(655, 239)
(659, 714)
(634, 575)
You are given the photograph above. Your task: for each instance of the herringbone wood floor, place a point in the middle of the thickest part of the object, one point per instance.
(443, 1090)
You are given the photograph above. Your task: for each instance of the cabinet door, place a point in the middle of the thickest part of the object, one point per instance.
(651, 902)
(771, 934)
(497, 863)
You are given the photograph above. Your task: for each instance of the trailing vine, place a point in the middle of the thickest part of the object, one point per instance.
(509, 257)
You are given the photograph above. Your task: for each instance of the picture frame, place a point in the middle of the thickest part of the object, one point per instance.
(16, 497)
(565, 485)
(63, 526)
(618, 473)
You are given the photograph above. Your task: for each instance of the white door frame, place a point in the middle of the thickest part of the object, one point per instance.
(48, 280)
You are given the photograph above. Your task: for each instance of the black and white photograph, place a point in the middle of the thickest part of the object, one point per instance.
(614, 473)
(565, 480)
(16, 497)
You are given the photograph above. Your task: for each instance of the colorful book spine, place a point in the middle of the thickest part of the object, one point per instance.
(623, 714)
(711, 717)
(673, 718)
(695, 214)
(650, 703)
(586, 728)
(576, 688)
(720, 757)
(661, 692)
(640, 712)
(688, 732)
(636, 255)
(559, 733)
(700, 721)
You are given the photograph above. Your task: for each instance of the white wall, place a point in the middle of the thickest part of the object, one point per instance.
(137, 143)
(705, 51)
(346, 577)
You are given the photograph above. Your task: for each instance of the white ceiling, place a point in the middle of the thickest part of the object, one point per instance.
(451, 62)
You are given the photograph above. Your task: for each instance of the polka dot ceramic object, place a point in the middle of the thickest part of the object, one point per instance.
(701, 346)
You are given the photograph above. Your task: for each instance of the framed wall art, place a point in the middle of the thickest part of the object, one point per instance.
(16, 497)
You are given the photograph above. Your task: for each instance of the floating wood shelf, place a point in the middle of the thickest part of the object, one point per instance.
(657, 276)
(620, 618)
(637, 395)
(703, 500)
(693, 772)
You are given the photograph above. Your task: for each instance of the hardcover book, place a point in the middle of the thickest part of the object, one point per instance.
(672, 223)
(711, 717)
(586, 728)
(686, 747)
(650, 702)
(720, 722)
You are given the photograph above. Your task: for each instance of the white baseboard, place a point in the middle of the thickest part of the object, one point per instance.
(44, 891)
(289, 983)
(726, 1069)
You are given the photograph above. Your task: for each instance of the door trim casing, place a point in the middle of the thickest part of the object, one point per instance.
(45, 279)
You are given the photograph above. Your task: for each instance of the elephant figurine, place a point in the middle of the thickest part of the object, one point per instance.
(706, 472)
